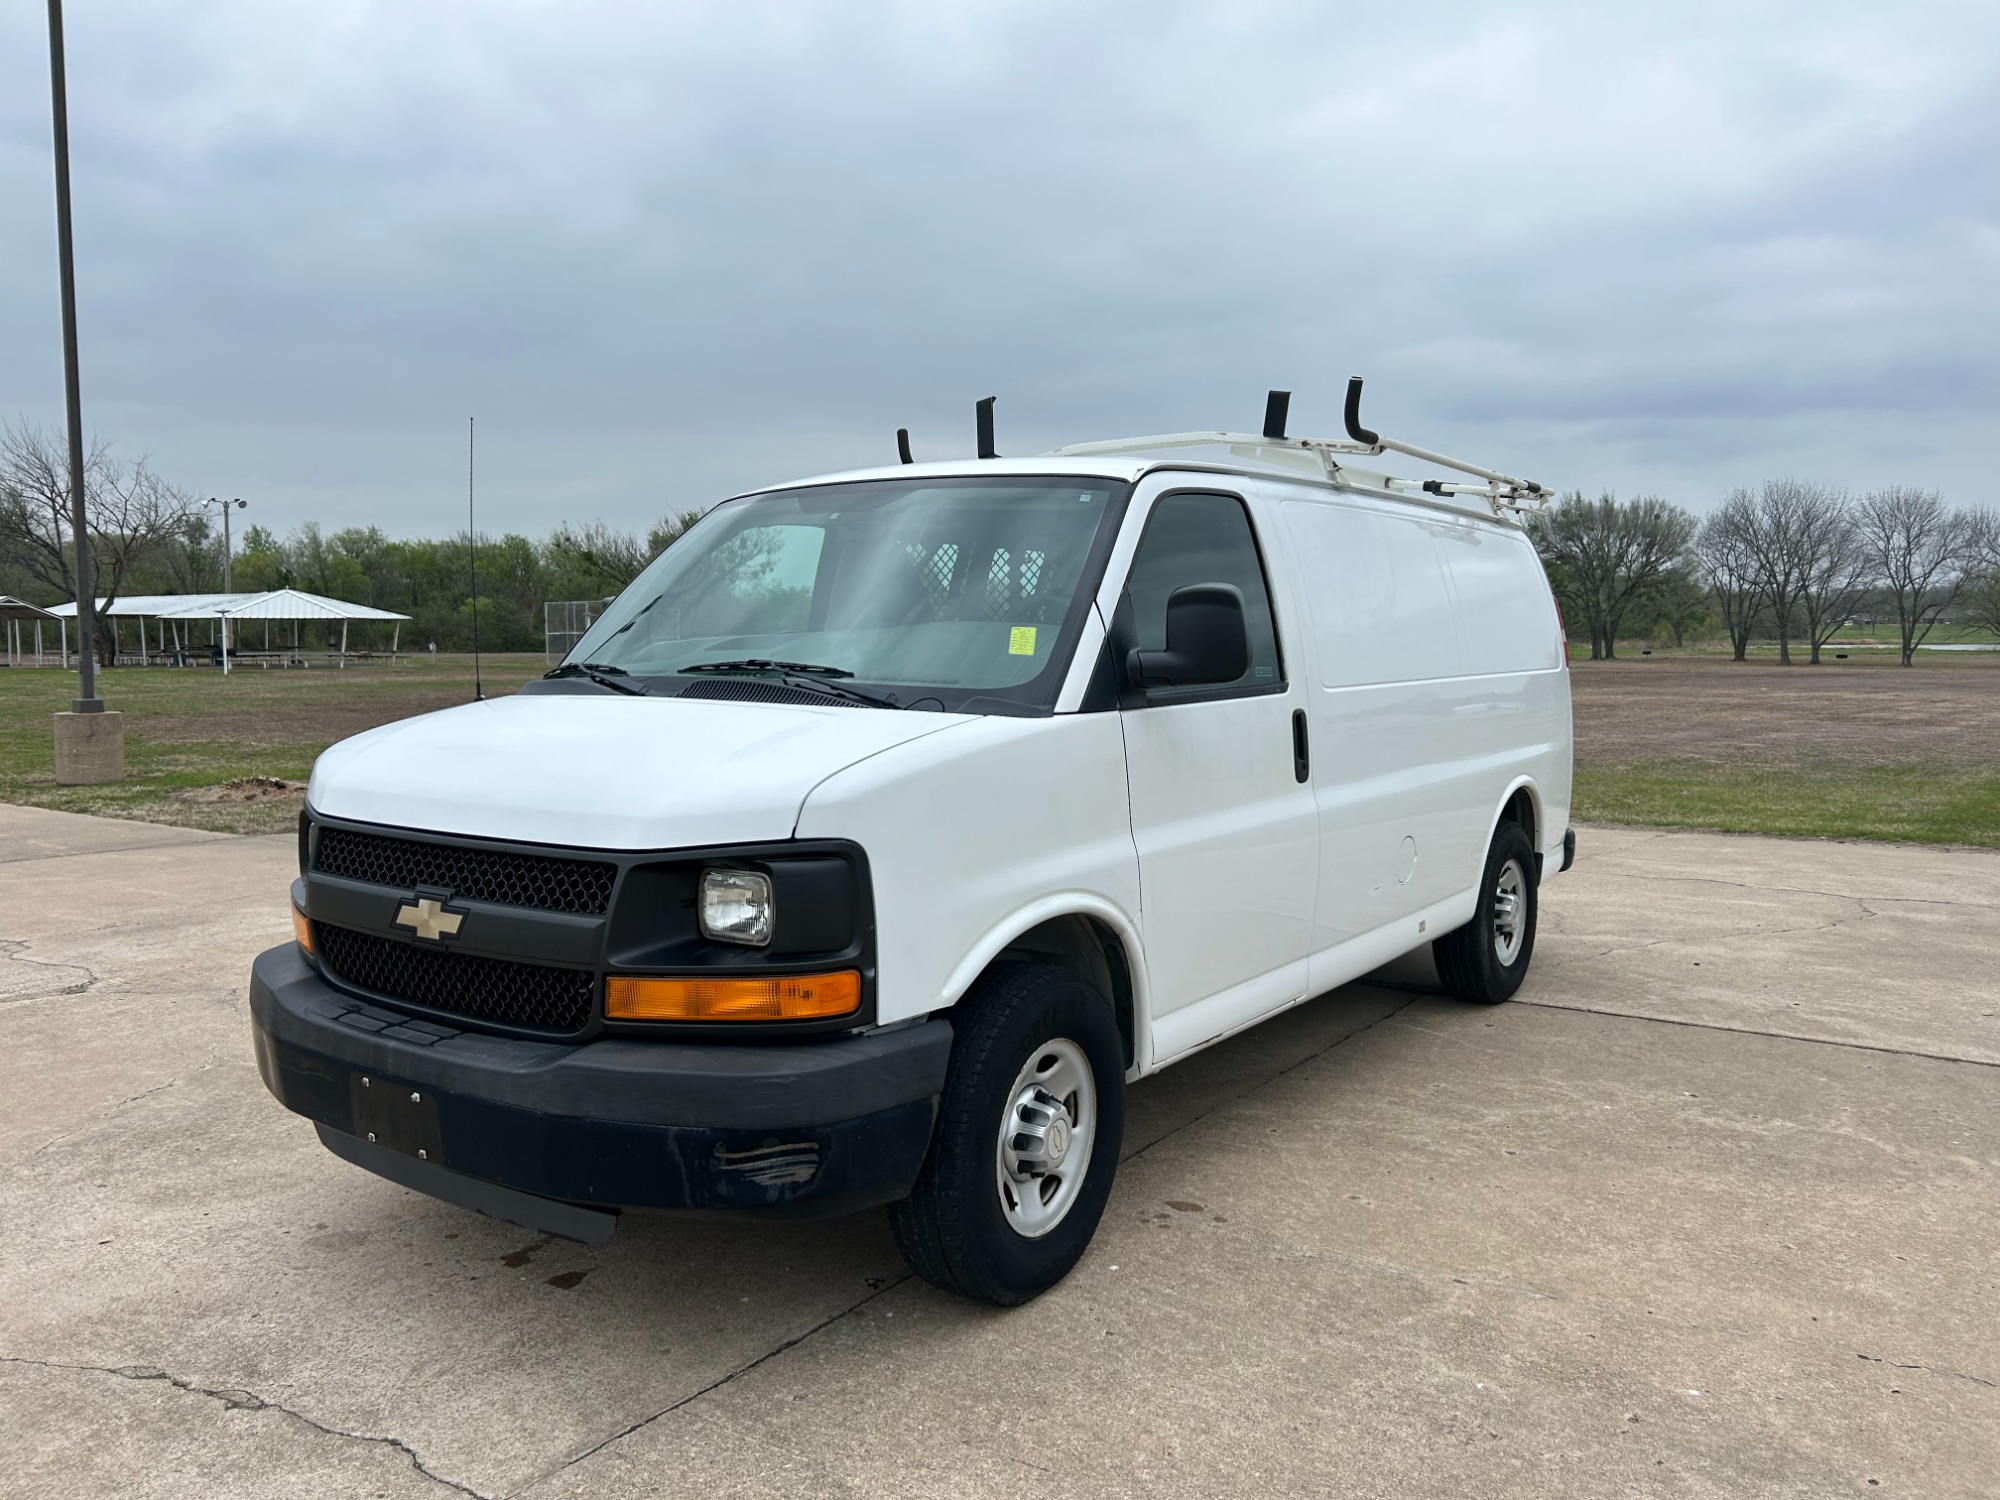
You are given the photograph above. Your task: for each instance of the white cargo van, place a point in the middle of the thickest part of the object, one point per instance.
(890, 823)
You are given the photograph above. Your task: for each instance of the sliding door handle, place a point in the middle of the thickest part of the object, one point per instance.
(1301, 751)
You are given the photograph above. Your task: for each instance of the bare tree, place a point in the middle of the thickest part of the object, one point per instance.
(193, 558)
(1980, 602)
(1982, 538)
(1603, 554)
(1728, 562)
(1833, 566)
(131, 512)
(1917, 550)
(1981, 595)
(1785, 517)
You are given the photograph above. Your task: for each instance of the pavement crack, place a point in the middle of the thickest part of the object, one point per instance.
(1640, 947)
(202, 836)
(14, 951)
(157, 1088)
(718, 1383)
(1655, 878)
(236, 1399)
(1896, 1364)
(1781, 1036)
(112, 1108)
(1747, 932)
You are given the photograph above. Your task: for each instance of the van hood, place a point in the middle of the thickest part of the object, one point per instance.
(605, 772)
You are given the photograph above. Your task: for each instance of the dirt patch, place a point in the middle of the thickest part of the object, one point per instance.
(255, 789)
(1724, 711)
(292, 722)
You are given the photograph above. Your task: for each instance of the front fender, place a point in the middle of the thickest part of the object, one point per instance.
(1017, 924)
(974, 836)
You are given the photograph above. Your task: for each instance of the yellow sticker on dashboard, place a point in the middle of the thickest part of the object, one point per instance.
(1021, 641)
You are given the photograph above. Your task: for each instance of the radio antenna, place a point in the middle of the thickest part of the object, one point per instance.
(472, 555)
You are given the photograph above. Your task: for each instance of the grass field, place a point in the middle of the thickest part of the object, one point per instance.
(1853, 749)
(1807, 799)
(1856, 749)
(1941, 635)
(189, 731)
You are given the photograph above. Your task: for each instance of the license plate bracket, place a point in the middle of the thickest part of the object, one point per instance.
(401, 1116)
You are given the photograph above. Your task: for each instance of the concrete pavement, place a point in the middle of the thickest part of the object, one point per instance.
(1709, 1210)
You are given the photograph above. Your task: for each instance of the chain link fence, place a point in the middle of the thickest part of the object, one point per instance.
(564, 622)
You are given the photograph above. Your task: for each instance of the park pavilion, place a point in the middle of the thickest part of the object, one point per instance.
(169, 620)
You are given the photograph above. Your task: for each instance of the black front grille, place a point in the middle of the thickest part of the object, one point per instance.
(544, 882)
(485, 989)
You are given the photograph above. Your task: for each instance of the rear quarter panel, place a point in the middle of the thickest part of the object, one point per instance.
(1438, 690)
(1514, 668)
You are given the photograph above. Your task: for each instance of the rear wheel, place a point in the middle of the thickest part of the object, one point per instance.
(1487, 958)
(1027, 1138)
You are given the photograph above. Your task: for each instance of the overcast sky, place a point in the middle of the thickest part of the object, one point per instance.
(669, 252)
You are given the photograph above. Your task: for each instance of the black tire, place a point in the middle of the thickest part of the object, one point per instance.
(1469, 960)
(953, 1228)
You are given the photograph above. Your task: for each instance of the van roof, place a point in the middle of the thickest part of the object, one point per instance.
(1221, 457)
(1271, 453)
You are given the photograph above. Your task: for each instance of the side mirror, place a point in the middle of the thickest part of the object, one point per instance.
(1207, 641)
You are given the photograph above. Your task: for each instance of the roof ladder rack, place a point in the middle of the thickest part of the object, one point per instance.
(1501, 491)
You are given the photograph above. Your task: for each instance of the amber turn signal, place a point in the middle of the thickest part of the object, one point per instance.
(302, 929)
(794, 997)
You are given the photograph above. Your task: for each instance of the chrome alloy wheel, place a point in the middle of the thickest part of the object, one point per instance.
(1509, 896)
(1045, 1137)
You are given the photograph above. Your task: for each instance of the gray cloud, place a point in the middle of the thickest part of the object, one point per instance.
(668, 252)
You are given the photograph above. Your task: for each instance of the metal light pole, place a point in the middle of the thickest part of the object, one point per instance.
(89, 743)
(227, 553)
(227, 550)
(86, 581)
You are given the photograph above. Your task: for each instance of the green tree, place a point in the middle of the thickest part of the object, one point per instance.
(1674, 607)
(1603, 555)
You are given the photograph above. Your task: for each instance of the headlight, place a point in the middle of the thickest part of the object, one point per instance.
(736, 907)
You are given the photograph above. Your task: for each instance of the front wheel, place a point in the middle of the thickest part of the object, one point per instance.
(1027, 1138)
(1487, 958)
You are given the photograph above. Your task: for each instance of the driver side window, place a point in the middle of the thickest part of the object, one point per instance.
(1193, 539)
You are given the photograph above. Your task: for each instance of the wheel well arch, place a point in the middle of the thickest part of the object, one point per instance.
(1522, 806)
(1091, 948)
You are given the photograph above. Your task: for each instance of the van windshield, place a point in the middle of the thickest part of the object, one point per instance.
(954, 593)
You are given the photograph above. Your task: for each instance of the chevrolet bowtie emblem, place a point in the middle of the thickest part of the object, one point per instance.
(429, 919)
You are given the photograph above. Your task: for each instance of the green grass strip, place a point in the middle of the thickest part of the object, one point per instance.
(1920, 804)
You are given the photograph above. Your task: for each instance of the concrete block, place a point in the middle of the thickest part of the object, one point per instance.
(90, 748)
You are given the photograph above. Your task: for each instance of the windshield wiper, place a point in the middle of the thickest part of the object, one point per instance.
(602, 673)
(759, 664)
(796, 674)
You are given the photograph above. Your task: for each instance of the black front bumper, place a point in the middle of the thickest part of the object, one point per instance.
(803, 1129)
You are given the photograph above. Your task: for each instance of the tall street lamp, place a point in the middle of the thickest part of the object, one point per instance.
(90, 743)
(227, 551)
